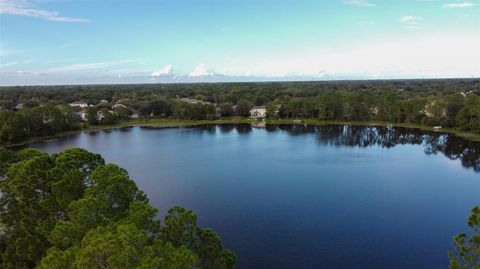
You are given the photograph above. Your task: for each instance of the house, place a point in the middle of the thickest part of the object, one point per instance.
(258, 112)
(83, 115)
(80, 104)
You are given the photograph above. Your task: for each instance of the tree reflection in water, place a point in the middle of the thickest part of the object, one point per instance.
(454, 148)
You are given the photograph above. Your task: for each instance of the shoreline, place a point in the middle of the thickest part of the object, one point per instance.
(168, 123)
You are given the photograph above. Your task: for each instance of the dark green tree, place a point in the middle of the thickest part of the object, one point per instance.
(467, 247)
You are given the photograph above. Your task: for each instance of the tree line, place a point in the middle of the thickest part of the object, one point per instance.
(447, 103)
(72, 210)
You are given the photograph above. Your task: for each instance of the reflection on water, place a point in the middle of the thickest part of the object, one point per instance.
(454, 148)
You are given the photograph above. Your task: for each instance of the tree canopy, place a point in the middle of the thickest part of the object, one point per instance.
(71, 210)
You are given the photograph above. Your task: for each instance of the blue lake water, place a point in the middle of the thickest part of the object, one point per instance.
(296, 196)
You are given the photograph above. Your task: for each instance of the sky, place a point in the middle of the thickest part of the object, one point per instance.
(45, 42)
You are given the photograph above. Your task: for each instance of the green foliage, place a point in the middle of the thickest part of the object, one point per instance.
(467, 247)
(92, 115)
(181, 229)
(37, 121)
(158, 107)
(123, 112)
(468, 118)
(6, 158)
(226, 109)
(184, 110)
(71, 210)
(106, 117)
(243, 108)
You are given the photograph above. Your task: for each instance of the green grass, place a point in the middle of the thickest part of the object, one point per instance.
(170, 123)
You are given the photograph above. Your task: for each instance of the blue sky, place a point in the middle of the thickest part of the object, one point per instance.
(107, 41)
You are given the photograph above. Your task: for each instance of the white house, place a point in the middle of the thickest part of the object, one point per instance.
(80, 104)
(258, 112)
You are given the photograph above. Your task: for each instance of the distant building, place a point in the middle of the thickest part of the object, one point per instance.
(80, 104)
(258, 112)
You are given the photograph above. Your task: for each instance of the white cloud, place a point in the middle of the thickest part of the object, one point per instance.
(28, 73)
(88, 66)
(27, 8)
(410, 18)
(459, 5)
(411, 22)
(359, 3)
(166, 71)
(200, 71)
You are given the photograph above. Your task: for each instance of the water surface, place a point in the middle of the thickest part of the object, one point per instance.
(296, 196)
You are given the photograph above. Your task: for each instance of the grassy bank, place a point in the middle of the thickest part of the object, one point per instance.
(171, 123)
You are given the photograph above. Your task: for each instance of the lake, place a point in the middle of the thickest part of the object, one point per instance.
(298, 196)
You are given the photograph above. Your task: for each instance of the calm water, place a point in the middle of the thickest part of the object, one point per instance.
(306, 197)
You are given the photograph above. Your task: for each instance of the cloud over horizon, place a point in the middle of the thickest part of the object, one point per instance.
(200, 71)
(166, 71)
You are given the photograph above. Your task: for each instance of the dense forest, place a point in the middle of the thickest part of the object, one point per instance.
(72, 210)
(44, 110)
